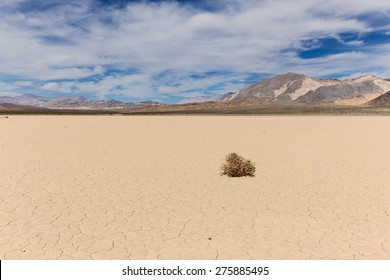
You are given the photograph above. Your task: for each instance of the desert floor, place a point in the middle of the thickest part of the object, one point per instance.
(148, 187)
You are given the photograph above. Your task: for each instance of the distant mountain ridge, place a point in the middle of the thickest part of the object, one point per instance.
(71, 102)
(290, 88)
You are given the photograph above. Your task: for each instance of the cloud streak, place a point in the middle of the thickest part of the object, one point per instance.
(73, 48)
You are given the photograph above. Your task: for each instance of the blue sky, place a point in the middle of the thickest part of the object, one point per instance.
(169, 50)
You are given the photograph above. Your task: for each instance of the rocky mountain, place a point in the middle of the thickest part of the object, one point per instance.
(303, 89)
(71, 102)
(285, 87)
(205, 98)
(348, 92)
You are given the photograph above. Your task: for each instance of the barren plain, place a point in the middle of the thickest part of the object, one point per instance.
(148, 187)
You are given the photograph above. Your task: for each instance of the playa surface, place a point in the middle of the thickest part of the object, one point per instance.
(148, 187)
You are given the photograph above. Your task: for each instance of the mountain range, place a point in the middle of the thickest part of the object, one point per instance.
(297, 88)
(288, 88)
(71, 102)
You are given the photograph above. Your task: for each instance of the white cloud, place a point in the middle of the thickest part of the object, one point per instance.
(74, 41)
(147, 86)
(51, 86)
(136, 85)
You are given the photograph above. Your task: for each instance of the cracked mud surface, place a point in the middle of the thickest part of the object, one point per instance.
(114, 187)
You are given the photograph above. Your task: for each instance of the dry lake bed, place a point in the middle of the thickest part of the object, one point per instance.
(148, 187)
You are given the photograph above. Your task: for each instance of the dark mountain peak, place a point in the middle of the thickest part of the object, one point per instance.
(74, 97)
(367, 76)
(150, 102)
(227, 95)
(283, 78)
(291, 75)
(29, 95)
(381, 100)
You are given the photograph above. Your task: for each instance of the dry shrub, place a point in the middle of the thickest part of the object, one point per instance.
(237, 166)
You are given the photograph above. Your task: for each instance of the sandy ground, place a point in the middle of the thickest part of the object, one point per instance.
(116, 187)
